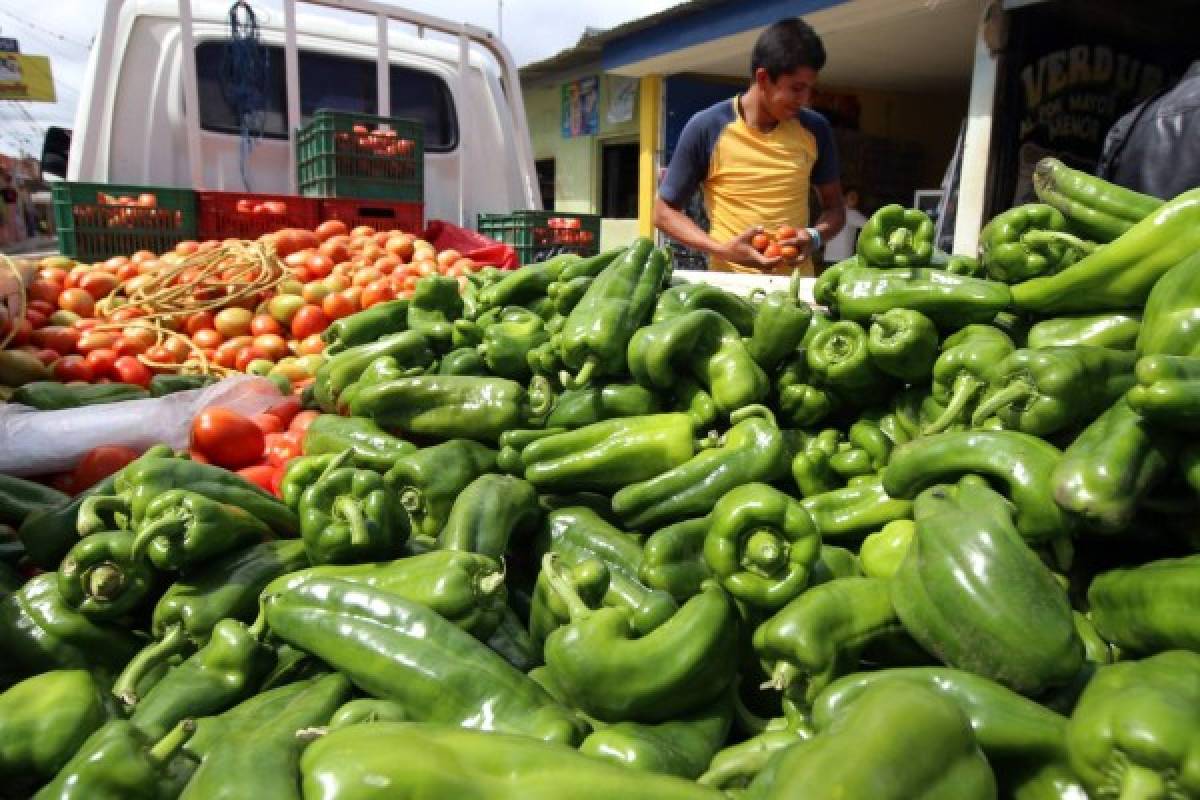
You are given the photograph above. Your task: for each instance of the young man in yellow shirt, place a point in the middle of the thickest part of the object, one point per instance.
(755, 157)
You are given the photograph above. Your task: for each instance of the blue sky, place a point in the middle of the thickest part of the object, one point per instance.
(63, 30)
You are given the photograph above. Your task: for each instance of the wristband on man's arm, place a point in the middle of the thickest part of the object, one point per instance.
(815, 236)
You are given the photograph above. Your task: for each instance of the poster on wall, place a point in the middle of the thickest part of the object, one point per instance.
(26, 77)
(581, 107)
(622, 94)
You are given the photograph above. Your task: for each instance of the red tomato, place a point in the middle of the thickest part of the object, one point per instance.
(268, 423)
(286, 410)
(128, 369)
(265, 323)
(99, 284)
(160, 354)
(102, 360)
(100, 462)
(207, 337)
(46, 355)
(96, 340)
(42, 307)
(337, 305)
(21, 337)
(229, 439)
(60, 338)
(272, 345)
(309, 320)
(36, 319)
(198, 322)
(245, 355)
(330, 228)
(301, 421)
(261, 475)
(311, 345)
(45, 291)
(198, 457)
(73, 368)
(283, 447)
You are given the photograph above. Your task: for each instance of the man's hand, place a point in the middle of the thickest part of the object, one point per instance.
(741, 251)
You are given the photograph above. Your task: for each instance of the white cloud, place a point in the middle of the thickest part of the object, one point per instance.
(63, 29)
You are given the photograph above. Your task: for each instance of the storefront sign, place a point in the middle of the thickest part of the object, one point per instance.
(9, 45)
(24, 77)
(622, 94)
(581, 107)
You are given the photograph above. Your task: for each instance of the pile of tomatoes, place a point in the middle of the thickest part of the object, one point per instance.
(332, 272)
(768, 243)
(125, 211)
(378, 153)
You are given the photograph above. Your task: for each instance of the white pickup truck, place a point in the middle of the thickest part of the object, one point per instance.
(155, 63)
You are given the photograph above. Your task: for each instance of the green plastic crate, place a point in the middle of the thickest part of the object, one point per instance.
(385, 163)
(539, 235)
(93, 223)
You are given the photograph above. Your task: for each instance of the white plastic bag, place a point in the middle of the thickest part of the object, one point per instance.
(41, 442)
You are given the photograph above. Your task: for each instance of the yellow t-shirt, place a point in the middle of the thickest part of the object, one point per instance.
(748, 177)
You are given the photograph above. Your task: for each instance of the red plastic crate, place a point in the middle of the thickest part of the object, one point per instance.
(238, 215)
(381, 215)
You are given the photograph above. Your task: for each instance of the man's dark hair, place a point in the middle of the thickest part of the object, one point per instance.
(786, 46)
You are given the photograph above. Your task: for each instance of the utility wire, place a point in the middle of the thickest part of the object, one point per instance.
(46, 31)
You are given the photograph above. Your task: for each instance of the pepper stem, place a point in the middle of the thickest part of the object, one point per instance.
(173, 641)
(561, 586)
(541, 396)
(170, 744)
(763, 553)
(753, 410)
(900, 240)
(169, 527)
(782, 677)
(410, 499)
(1009, 395)
(966, 386)
(584, 376)
(91, 513)
(346, 508)
(1037, 237)
(490, 582)
(1140, 783)
(104, 581)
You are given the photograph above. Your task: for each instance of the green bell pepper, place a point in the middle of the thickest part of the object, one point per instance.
(368, 325)
(40, 632)
(752, 450)
(883, 551)
(453, 406)
(137, 485)
(1102, 210)
(576, 408)
(781, 321)
(399, 650)
(372, 446)
(951, 301)
(436, 304)
(408, 348)
(104, 577)
(512, 442)
(1021, 463)
(399, 759)
(852, 512)
(428, 481)
(463, 361)
(263, 760)
(839, 358)
(182, 529)
(590, 579)
(860, 755)
(513, 642)
(1133, 732)
(20, 499)
(507, 342)
(348, 515)
(761, 545)
(1142, 609)
(895, 236)
(903, 344)
(365, 710)
(608, 455)
(1044, 391)
(600, 661)
(1171, 320)
(673, 558)
(735, 766)
(1110, 467)
(466, 589)
(118, 762)
(1011, 729)
(52, 396)
(566, 294)
(1120, 275)
(1116, 330)
(576, 534)
(219, 675)
(1028, 241)
(682, 747)
(488, 512)
(597, 331)
(44, 720)
(189, 610)
(588, 267)
(705, 346)
(302, 472)
(167, 383)
(819, 635)
(967, 568)
(525, 284)
(678, 300)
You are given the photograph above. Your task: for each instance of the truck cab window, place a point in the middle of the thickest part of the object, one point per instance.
(333, 82)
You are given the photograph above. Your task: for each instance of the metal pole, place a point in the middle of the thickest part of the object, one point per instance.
(291, 67)
(383, 75)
